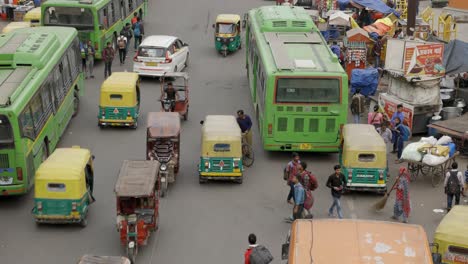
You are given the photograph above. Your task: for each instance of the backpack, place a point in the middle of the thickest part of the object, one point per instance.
(405, 132)
(260, 255)
(122, 43)
(309, 200)
(136, 30)
(453, 184)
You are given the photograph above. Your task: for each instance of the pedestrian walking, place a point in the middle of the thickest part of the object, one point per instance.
(108, 55)
(138, 32)
(83, 48)
(245, 124)
(336, 183)
(89, 53)
(376, 118)
(299, 198)
(134, 18)
(357, 106)
(402, 133)
(256, 254)
(386, 134)
(122, 43)
(310, 183)
(290, 171)
(402, 205)
(466, 182)
(398, 114)
(377, 51)
(453, 185)
(128, 33)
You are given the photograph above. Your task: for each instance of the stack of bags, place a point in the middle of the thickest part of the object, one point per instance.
(430, 150)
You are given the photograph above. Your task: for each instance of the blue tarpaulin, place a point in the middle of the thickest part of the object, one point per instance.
(364, 80)
(376, 5)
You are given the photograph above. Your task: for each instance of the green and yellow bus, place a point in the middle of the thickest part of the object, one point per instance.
(97, 20)
(40, 85)
(298, 87)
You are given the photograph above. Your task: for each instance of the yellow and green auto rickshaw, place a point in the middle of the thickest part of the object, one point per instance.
(64, 186)
(33, 16)
(227, 33)
(363, 158)
(221, 154)
(451, 236)
(120, 100)
(15, 25)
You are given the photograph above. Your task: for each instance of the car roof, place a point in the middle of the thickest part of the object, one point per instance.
(158, 41)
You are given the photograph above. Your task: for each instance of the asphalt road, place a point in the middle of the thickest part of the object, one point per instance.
(199, 223)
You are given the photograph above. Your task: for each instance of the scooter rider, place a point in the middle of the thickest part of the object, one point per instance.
(171, 95)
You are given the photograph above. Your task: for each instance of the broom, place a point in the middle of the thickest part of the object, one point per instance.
(379, 205)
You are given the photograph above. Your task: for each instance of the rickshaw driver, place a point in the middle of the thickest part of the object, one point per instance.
(162, 142)
(172, 95)
(245, 124)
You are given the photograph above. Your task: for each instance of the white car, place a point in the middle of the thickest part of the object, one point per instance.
(159, 54)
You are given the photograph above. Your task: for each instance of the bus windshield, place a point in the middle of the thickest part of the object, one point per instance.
(226, 28)
(81, 18)
(308, 90)
(6, 133)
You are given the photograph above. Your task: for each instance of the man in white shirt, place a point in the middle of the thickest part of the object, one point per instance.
(453, 185)
(122, 44)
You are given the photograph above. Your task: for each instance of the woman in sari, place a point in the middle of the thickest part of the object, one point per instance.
(402, 205)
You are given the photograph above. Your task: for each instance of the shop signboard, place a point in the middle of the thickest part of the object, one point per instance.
(424, 59)
(389, 105)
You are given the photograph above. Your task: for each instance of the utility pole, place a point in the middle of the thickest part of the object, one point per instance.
(411, 17)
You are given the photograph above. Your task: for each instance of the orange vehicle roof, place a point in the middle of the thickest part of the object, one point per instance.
(330, 241)
(163, 124)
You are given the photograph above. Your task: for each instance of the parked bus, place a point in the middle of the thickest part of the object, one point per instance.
(40, 84)
(97, 20)
(298, 87)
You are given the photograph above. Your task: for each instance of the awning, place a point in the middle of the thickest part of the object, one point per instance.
(339, 19)
(376, 5)
(454, 57)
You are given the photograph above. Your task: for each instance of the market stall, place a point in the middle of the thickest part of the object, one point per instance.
(355, 43)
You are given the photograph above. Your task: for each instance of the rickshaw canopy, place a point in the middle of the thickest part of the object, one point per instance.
(228, 18)
(363, 147)
(15, 25)
(137, 178)
(163, 124)
(453, 228)
(360, 240)
(120, 89)
(89, 259)
(66, 167)
(221, 129)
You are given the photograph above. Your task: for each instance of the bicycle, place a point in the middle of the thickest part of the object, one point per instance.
(247, 152)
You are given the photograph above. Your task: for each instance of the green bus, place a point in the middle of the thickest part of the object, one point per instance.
(40, 85)
(298, 87)
(97, 20)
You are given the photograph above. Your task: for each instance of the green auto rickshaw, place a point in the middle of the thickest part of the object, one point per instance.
(227, 33)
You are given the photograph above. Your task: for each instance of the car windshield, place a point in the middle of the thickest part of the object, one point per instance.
(6, 132)
(151, 52)
(308, 90)
(80, 18)
(226, 28)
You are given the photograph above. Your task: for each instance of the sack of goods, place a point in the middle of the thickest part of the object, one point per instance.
(260, 255)
(430, 150)
(433, 160)
(411, 152)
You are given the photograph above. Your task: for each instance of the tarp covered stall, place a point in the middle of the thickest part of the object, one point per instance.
(339, 19)
(455, 60)
(364, 80)
(376, 5)
(423, 92)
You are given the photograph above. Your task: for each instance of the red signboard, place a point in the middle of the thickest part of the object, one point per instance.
(390, 106)
(424, 60)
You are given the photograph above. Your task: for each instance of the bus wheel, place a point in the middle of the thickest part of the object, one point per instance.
(76, 104)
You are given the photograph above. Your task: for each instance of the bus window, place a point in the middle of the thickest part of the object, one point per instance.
(27, 124)
(308, 90)
(38, 113)
(6, 133)
(123, 7)
(81, 18)
(103, 17)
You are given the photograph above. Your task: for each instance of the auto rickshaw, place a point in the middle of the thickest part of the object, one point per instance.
(178, 81)
(363, 159)
(451, 236)
(137, 192)
(119, 104)
(33, 16)
(63, 187)
(15, 25)
(221, 154)
(361, 241)
(163, 145)
(90, 259)
(227, 33)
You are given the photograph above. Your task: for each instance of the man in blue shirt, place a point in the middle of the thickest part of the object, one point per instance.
(399, 113)
(245, 124)
(299, 198)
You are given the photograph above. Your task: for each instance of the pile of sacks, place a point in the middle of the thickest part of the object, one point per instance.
(430, 150)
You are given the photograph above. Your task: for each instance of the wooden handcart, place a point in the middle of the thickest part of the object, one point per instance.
(437, 172)
(457, 129)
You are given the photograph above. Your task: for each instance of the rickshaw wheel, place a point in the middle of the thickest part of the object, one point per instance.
(224, 52)
(135, 125)
(239, 181)
(437, 175)
(131, 254)
(164, 188)
(413, 170)
(201, 180)
(247, 155)
(84, 222)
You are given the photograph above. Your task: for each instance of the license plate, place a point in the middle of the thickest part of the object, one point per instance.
(6, 180)
(305, 146)
(151, 64)
(364, 176)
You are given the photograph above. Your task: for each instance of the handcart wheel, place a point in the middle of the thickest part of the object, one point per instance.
(413, 170)
(247, 155)
(425, 170)
(163, 187)
(437, 175)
